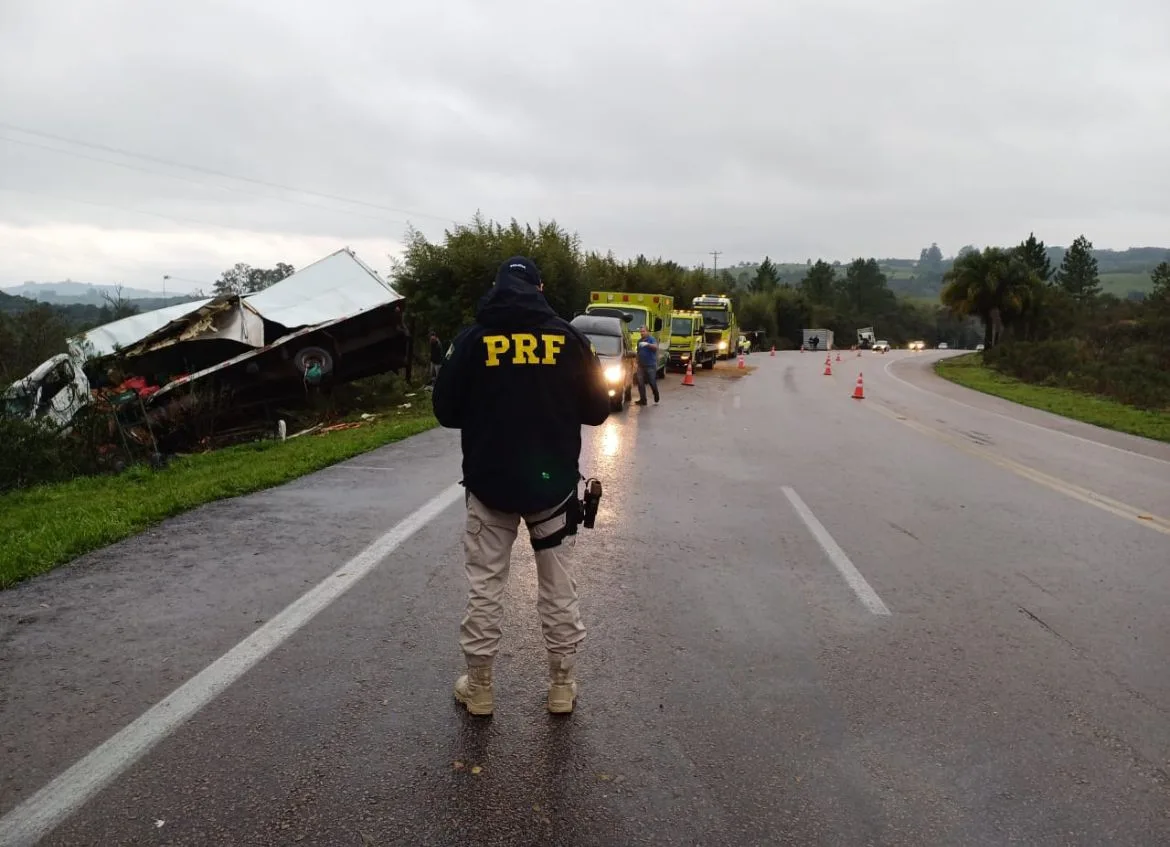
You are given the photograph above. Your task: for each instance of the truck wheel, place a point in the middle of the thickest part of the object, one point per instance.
(307, 355)
(629, 393)
(710, 363)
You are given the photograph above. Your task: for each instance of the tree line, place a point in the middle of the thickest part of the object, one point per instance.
(1055, 326)
(443, 280)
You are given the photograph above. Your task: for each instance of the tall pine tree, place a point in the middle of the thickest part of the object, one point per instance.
(767, 276)
(1160, 277)
(1078, 272)
(819, 282)
(1036, 257)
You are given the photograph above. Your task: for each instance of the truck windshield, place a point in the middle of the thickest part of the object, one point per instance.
(606, 345)
(638, 322)
(682, 326)
(715, 318)
(638, 315)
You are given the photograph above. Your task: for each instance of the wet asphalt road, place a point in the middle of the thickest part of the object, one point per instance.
(735, 689)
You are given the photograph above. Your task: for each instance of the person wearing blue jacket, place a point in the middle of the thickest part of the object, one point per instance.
(647, 366)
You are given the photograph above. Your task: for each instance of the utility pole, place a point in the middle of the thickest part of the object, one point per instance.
(715, 270)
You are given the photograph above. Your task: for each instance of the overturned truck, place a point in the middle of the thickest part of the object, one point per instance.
(232, 359)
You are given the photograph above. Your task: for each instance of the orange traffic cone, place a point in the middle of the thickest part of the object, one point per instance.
(742, 363)
(773, 351)
(859, 353)
(828, 368)
(859, 389)
(689, 379)
(838, 355)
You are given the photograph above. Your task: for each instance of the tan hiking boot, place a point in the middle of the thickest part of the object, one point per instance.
(562, 687)
(474, 690)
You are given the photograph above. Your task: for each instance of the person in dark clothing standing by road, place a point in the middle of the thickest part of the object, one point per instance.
(520, 383)
(647, 366)
(436, 357)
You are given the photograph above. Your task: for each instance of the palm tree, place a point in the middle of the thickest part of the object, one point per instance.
(995, 284)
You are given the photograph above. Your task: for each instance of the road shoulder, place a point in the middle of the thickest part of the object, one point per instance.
(918, 372)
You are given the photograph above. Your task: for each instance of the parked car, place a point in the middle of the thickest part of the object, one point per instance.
(978, 348)
(881, 346)
(611, 342)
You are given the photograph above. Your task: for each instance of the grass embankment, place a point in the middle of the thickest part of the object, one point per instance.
(49, 525)
(970, 371)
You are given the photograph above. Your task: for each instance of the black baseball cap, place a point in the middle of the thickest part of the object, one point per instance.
(521, 268)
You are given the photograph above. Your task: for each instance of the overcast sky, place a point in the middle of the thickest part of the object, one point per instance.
(796, 128)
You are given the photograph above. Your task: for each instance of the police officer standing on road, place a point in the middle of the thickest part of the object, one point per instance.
(520, 383)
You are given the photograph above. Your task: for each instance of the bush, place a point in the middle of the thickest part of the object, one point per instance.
(32, 453)
(1124, 363)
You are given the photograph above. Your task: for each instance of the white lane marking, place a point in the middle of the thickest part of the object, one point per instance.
(1142, 517)
(853, 577)
(1040, 427)
(41, 813)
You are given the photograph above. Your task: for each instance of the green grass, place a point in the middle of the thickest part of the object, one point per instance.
(52, 524)
(1120, 284)
(969, 371)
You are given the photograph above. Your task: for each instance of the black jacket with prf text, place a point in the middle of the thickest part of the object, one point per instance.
(519, 383)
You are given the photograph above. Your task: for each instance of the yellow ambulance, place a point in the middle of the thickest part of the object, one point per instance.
(638, 310)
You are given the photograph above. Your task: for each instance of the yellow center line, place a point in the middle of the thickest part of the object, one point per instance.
(1077, 492)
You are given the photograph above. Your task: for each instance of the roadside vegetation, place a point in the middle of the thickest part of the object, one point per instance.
(970, 371)
(443, 281)
(1054, 328)
(48, 525)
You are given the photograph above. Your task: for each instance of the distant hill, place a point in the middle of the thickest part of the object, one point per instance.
(81, 315)
(70, 293)
(77, 315)
(1124, 273)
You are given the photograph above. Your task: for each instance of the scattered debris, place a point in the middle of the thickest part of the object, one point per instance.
(311, 429)
(340, 426)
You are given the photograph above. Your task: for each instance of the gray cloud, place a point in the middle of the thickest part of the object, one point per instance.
(796, 129)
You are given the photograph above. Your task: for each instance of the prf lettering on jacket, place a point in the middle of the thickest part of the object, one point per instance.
(523, 346)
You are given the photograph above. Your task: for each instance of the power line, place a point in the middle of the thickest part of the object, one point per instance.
(715, 254)
(205, 183)
(170, 163)
(212, 172)
(175, 218)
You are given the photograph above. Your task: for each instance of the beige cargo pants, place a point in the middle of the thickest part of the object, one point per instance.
(487, 543)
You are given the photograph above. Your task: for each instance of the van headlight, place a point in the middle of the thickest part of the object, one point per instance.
(613, 373)
(722, 345)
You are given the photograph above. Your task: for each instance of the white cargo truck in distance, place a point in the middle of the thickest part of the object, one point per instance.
(824, 339)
